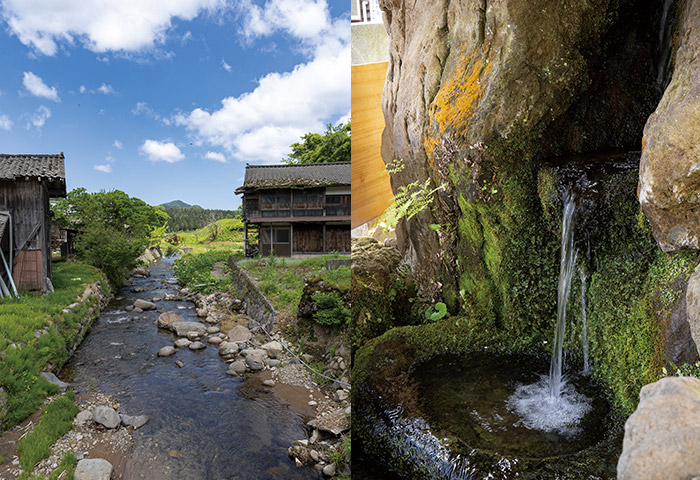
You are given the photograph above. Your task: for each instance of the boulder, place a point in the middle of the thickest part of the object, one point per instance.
(692, 302)
(212, 330)
(140, 272)
(236, 368)
(93, 469)
(273, 348)
(166, 320)
(82, 417)
(136, 421)
(166, 351)
(54, 379)
(106, 416)
(228, 348)
(197, 346)
(144, 305)
(239, 333)
(329, 470)
(183, 328)
(662, 437)
(669, 172)
(254, 358)
(215, 340)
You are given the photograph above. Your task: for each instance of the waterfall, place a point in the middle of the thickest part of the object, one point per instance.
(566, 271)
(664, 56)
(584, 333)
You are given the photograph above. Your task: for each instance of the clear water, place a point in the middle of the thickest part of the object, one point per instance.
(224, 427)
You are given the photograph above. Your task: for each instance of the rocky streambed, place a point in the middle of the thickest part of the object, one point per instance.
(222, 403)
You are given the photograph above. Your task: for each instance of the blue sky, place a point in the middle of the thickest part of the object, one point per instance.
(170, 100)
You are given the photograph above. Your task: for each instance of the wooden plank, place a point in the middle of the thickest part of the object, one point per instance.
(371, 188)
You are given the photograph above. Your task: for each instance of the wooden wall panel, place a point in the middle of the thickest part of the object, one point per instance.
(371, 189)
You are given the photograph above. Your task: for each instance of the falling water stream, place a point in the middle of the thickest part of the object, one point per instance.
(552, 403)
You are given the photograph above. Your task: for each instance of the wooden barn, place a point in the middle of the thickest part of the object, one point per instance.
(27, 182)
(296, 209)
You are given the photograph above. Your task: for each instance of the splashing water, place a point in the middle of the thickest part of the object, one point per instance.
(552, 404)
(584, 333)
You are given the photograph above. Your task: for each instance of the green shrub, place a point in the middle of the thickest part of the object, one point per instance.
(193, 270)
(331, 309)
(56, 420)
(68, 463)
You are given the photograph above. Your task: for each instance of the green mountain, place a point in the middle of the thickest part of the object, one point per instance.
(178, 204)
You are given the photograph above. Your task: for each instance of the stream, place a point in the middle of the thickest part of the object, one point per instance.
(222, 427)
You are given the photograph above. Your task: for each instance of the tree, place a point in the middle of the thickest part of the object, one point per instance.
(113, 229)
(332, 146)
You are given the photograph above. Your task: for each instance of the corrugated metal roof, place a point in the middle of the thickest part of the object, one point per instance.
(44, 166)
(301, 175)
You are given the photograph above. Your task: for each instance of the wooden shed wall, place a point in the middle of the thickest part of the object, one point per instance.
(28, 203)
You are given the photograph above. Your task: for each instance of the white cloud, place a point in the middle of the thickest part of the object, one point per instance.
(5, 123)
(83, 89)
(305, 19)
(100, 26)
(260, 125)
(161, 151)
(216, 156)
(118, 144)
(225, 65)
(38, 119)
(36, 86)
(103, 168)
(106, 89)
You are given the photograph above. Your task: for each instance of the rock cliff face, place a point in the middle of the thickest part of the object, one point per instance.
(479, 91)
(669, 181)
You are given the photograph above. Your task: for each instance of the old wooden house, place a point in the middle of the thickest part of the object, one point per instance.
(296, 209)
(27, 182)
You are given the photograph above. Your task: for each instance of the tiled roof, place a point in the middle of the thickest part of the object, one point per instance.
(301, 175)
(46, 166)
(49, 167)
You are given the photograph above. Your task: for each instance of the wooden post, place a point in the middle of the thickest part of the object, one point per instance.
(291, 239)
(324, 238)
(245, 239)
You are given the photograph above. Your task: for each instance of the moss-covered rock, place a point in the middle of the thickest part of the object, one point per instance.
(383, 292)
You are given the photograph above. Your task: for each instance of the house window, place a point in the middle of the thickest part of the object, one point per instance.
(275, 203)
(337, 205)
(308, 202)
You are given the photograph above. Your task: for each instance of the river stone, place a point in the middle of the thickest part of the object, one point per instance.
(269, 382)
(662, 437)
(136, 421)
(93, 469)
(669, 172)
(329, 470)
(273, 348)
(237, 367)
(183, 328)
(197, 346)
(166, 351)
(179, 364)
(53, 379)
(140, 272)
(212, 330)
(106, 416)
(215, 340)
(170, 297)
(228, 348)
(182, 343)
(336, 422)
(193, 335)
(692, 301)
(239, 333)
(83, 416)
(144, 305)
(167, 319)
(254, 358)
(202, 312)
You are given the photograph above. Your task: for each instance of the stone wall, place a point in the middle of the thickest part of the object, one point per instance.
(94, 295)
(256, 304)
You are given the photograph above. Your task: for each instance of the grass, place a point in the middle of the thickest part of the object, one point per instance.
(22, 354)
(193, 270)
(56, 420)
(68, 463)
(227, 230)
(282, 279)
